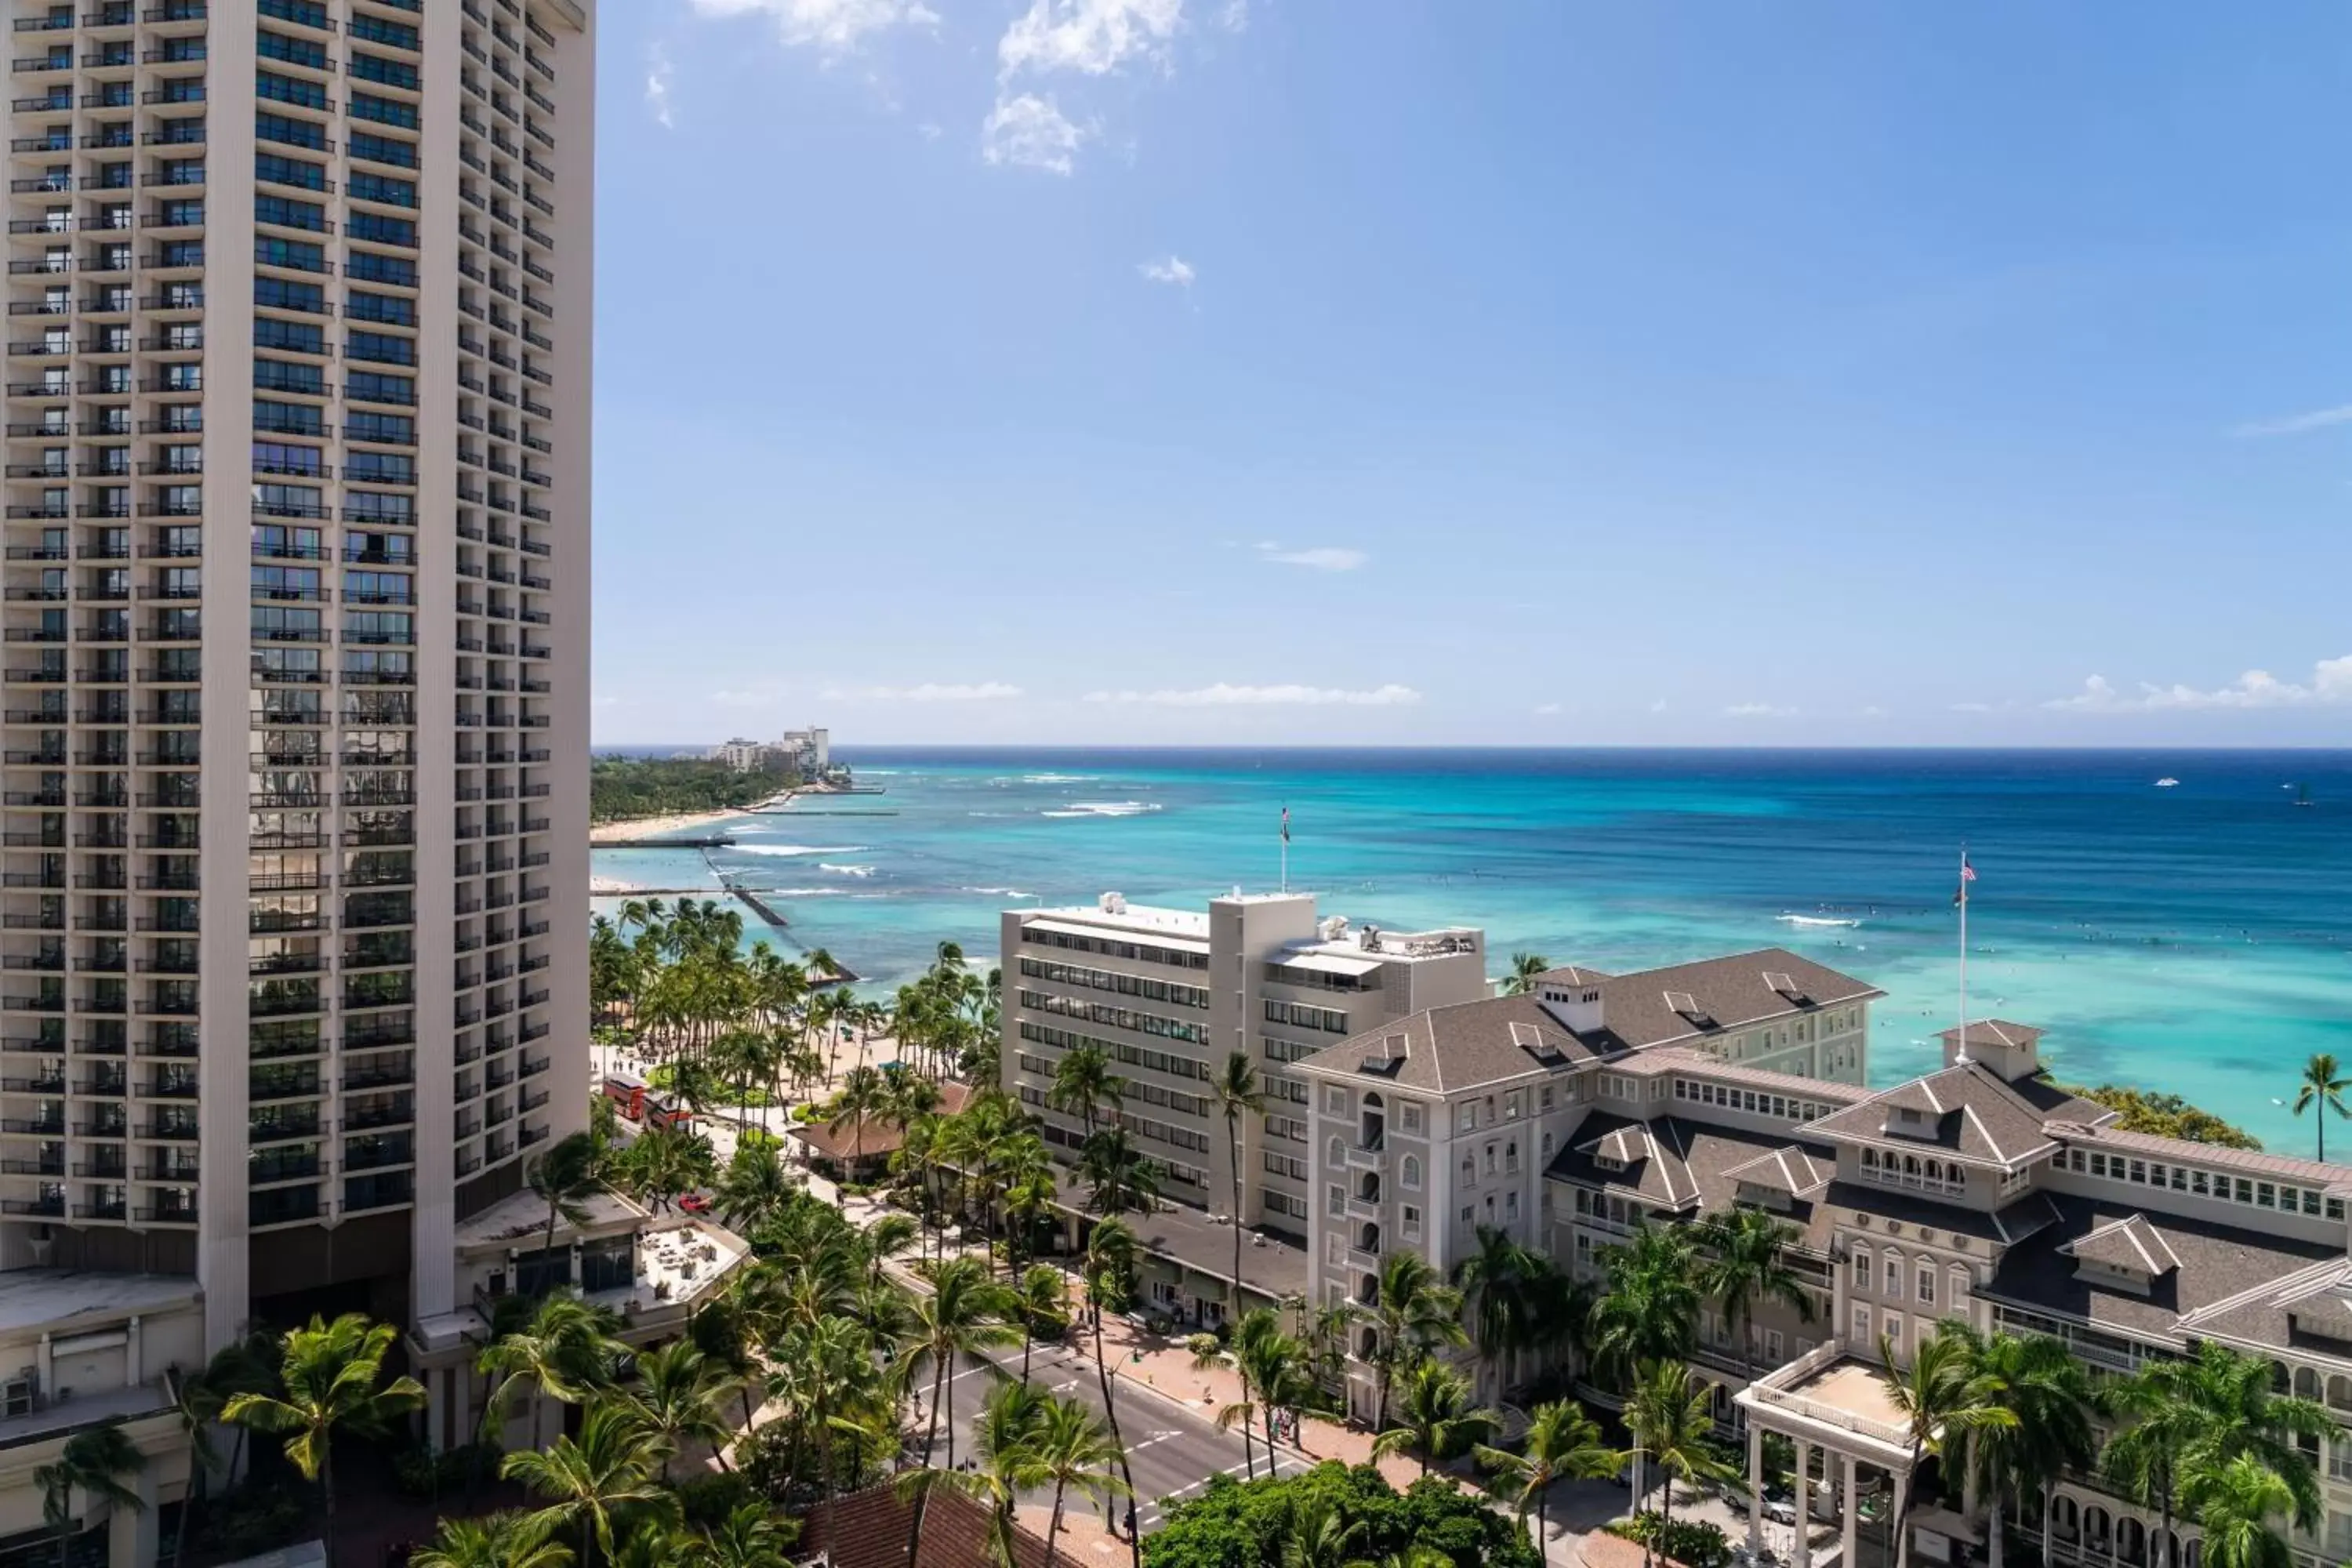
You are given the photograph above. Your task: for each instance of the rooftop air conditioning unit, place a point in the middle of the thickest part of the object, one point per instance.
(1112, 903)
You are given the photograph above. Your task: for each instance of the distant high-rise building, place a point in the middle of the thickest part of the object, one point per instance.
(295, 623)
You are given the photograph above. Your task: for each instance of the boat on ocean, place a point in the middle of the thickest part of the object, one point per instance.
(2303, 794)
(2166, 783)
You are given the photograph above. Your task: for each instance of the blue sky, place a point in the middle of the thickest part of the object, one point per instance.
(1308, 371)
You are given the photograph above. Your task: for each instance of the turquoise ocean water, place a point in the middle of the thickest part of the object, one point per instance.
(2196, 939)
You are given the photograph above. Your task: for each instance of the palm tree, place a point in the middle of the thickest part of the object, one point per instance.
(1413, 1312)
(1561, 1441)
(1108, 1269)
(1074, 1449)
(1747, 1261)
(2037, 1380)
(1237, 1093)
(506, 1540)
(1320, 1534)
(1525, 968)
(755, 1185)
(1208, 1353)
(1649, 1309)
(562, 1176)
(1005, 1466)
(1436, 1417)
(1040, 1299)
(2234, 1504)
(886, 1238)
(1667, 1412)
(1125, 1180)
(963, 1314)
(566, 1349)
(609, 1470)
(197, 1398)
(1942, 1400)
(680, 1395)
(1501, 1283)
(2201, 1413)
(2322, 1089)
(1084, 1086)
(329, 1372)
(827, 1369)
(750, 1536)
(862, 1099)
(92, 1462)
(1273, 1366)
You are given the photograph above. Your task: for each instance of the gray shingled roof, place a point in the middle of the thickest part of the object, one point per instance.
(2222, 1270)
(2132, 1242)
(1967, 1112)
(1459, 1046)
(2070, 1129)
(1674, 1162)
(1731, 993)
(1473, 1043)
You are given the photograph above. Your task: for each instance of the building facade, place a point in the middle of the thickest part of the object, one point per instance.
(1169, 994)
(1981, 1193)
(295, 623)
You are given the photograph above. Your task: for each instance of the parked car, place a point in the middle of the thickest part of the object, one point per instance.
(695, 1203)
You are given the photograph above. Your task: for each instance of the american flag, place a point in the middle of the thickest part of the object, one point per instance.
(1968, 875)
(1285, 825)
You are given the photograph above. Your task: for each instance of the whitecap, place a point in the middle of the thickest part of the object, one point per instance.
(1058, 778)
(1813, 921)
(1002, 893)
(801, 892)
(800, 849)
(1104, 808)
(844, 871)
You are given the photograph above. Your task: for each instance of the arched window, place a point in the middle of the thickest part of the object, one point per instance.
(1368, 1291)
(2095, 1527)
(2280, 1382)
(2131, 1540)
(1957, 1279)
(1469, 1171)
(2339, 1392)
(1410, 1173)
(2306, 1384)
(1338, 1152)
(1368, 1238)
(2064, 1518)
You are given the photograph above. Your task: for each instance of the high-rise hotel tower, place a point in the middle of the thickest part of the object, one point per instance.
(296, 635)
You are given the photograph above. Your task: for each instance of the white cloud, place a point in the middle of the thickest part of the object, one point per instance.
(1971, 707)
(1659, 706)
(1175, 270)
(929, 131)
(1874, 710)
(928, 691)
(658, 79)
(1321, 558)
(2330, 684)
(1224, 695)
(1546, 709)
(2297, 424)
(1234, 15)
(744, 699)
(1030, 133)
(1092, 37)
(1758, 711)
(832, 26)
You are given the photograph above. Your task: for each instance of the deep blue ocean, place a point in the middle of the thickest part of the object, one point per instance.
(2195, 938)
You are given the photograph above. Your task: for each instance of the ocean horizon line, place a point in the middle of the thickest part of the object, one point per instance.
(1229, 748)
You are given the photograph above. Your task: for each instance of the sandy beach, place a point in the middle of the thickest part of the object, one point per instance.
(642, 828)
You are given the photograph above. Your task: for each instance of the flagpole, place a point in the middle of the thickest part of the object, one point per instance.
(1286, 850)
(1962, 1054)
